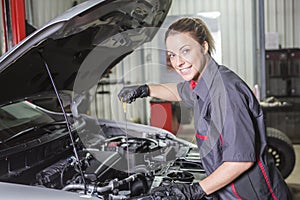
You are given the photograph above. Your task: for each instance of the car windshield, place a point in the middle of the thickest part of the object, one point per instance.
(18, 117)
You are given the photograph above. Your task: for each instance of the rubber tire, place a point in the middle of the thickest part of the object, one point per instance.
(282, 150)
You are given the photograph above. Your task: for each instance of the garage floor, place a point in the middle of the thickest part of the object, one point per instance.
(294, 178)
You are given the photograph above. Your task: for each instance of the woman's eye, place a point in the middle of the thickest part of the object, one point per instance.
(185, 51)
(172, 55)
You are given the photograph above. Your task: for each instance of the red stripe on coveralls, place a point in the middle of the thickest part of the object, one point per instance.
(235, 192)
(221, 139)
(201, 137)
(266, 178)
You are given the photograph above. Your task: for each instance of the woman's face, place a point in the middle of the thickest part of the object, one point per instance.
(187, 56)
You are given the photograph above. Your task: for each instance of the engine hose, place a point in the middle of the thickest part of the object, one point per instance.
(111, 186)
(77, 187)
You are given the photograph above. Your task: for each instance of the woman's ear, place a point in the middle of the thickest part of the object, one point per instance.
(205, 47)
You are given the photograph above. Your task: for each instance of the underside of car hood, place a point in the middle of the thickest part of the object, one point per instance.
(79, 46)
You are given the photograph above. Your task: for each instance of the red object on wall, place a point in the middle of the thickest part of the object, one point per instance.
(13, 17)
(161, 115)
(18, 20)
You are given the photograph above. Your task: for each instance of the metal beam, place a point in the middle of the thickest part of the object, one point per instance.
(7, 24)
(262, 57)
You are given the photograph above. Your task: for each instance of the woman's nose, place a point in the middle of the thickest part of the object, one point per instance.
(179, 61)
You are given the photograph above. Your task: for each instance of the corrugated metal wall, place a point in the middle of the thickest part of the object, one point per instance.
(38, 12)
(282, 16)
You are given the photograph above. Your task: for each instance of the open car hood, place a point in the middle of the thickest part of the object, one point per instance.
(79, 46)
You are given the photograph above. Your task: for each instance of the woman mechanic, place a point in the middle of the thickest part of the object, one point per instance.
(228, 121)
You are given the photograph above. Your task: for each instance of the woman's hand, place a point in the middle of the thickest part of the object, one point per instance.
(131, 93)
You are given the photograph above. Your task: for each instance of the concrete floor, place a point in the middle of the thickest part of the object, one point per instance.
(293, 180)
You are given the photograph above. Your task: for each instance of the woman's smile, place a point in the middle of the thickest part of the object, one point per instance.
(185, 71)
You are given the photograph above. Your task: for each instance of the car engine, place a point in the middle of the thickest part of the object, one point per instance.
(110, 165)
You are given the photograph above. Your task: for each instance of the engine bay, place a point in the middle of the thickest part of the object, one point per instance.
(106, 174)
(111, 166)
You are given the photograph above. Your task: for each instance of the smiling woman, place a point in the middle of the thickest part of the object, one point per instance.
(228, 121)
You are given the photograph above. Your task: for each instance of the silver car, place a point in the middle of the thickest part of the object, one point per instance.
(49, 149)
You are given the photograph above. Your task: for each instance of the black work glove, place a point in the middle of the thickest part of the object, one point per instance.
(178, 191)
(131, 93)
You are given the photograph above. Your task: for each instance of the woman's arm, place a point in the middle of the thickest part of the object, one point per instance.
(166, 92)
(224, 175)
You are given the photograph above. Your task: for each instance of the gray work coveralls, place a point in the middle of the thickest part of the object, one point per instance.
(230, 127)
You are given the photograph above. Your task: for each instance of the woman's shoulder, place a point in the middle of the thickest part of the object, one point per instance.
(231, 80)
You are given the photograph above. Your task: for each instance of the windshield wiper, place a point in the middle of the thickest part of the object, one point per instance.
(17, 135)
(51, 124)
(32, 129)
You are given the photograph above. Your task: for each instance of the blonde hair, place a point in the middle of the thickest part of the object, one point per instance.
(196, 28)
